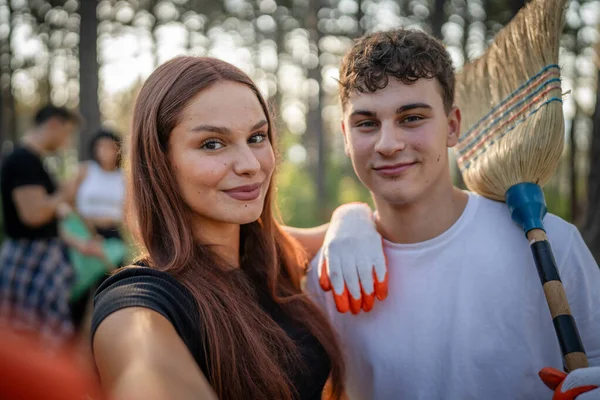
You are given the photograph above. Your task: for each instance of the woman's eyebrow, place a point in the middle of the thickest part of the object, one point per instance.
(224, 130)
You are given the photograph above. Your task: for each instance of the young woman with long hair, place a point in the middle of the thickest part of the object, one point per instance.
(215, 305)
(101, 194)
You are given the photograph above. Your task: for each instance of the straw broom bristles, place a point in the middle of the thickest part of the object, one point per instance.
(526, 142)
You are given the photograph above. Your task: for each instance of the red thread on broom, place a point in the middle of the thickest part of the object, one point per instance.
(474, 132)
(500, 127)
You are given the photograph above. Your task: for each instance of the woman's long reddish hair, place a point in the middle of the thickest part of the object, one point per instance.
(248, 353)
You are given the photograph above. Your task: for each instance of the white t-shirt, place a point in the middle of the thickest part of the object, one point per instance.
(466, 317)
(101, 193)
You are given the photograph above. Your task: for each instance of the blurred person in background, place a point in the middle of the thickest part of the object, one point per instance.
(101, 194)
(100, 203)
(35, 273)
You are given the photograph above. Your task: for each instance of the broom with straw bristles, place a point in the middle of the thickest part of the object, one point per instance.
(511, 103)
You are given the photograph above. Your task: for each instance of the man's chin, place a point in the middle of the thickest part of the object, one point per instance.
(396, 197)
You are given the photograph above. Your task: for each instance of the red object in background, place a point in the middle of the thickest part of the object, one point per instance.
(28, 371)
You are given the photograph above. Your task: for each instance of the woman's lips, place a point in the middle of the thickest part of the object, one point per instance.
(245, 193)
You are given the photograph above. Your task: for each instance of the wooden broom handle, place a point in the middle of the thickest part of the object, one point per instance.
(564, 324)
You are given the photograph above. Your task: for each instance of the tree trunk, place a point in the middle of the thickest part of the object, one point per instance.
(280, 43)
(45, 91)
(405, 8)
(8, 124)
(360, 15)
(155, 57)
(88, 75)
(314, 126)
(515, 6)
(437, 18)
(591, 227)
(458, 178)
(573, 168)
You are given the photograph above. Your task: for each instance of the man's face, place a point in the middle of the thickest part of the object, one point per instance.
(61, 132)
(398, 139)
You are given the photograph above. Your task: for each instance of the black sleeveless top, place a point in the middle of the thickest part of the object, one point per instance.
(160, 292)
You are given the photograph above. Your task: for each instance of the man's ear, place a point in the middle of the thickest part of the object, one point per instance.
(346, 149)
(454, 118)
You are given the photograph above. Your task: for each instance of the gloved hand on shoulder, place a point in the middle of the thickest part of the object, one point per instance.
(352, 262)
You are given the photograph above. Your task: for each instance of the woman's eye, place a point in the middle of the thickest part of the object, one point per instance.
(258, 138)
(212, 145)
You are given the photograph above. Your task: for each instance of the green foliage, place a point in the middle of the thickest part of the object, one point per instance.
(296, 196)
(557, 203)
(344, 186)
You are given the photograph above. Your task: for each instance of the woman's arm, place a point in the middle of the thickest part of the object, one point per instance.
(88, 247)
(311, 239)
(140, 356)
(102, 222)
(35, 207)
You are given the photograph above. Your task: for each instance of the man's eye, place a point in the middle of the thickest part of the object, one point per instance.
(212, 145)
(366, 124)
(412, 118)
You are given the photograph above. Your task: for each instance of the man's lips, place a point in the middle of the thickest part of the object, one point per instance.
(245, 192)
(393, 169)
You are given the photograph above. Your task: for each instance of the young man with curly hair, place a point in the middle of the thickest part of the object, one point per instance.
(466, 316)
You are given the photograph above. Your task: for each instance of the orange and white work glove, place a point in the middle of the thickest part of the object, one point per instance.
(352, 263)
(581, 384)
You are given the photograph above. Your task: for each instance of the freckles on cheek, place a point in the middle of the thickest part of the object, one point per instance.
(211, 173)
(419, 145)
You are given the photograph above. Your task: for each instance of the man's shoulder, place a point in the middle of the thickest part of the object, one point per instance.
(489, 216)
(10, 162)
(555, 225)
(494, 217)
(498, 214)
(312, 274)
(17, 156)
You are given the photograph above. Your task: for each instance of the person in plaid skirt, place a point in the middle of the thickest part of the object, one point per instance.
(35, 273)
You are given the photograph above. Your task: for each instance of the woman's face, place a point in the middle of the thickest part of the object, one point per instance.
(107, 153)
(221, 155)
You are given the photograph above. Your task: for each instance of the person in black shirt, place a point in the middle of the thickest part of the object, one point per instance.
(214, 307)
(30, 196)
(35, 275)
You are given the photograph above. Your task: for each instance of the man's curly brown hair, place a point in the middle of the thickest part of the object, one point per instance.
(404, 54)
